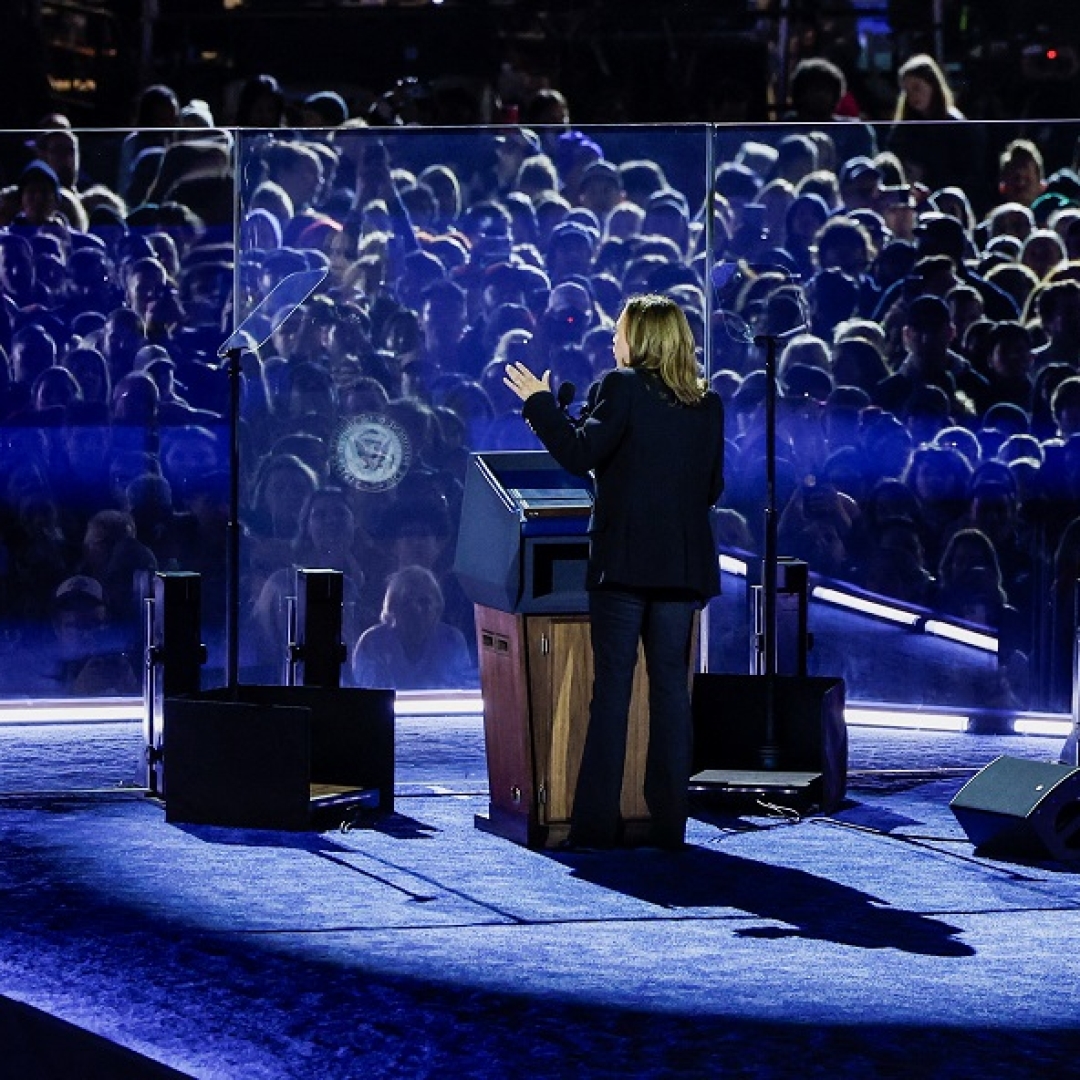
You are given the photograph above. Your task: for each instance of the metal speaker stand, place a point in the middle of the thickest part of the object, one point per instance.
(174, 653)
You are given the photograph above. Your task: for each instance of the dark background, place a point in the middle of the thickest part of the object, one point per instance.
(630, 61)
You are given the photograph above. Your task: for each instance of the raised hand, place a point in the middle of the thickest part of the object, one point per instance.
(524, 383)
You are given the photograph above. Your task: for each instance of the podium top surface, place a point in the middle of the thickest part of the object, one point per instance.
(551, 501)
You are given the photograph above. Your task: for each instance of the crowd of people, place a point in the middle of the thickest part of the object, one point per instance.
(927, 341)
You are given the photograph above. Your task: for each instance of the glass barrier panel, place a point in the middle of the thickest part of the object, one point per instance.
(446, 255)
(917, 289)
(116, 269)
(918, 284)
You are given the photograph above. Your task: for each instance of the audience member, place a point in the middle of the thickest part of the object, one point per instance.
(412, 648)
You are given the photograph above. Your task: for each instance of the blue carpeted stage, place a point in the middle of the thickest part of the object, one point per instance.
(870, 942)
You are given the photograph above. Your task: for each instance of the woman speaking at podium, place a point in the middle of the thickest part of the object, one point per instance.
(653, 440)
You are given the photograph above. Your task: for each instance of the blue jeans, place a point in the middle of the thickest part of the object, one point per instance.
(619, 619)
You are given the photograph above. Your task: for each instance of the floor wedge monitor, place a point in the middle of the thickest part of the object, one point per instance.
(731, 732)
(1021, 807)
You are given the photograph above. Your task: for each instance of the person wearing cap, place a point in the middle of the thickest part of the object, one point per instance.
(569, 314)
(600, 189)
(930, 360)
(323, 109)
(653, 444)
(513, 146)
(570, 251)
(860, 183)
(667, 214)
(173, 408)
(39, 194)
(1021, 175)
(80, 659)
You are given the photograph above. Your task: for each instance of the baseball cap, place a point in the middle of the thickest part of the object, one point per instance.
(77, 590)
(856, 168)
(39, 170)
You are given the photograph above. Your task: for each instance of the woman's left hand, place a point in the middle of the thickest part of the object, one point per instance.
(524, 383)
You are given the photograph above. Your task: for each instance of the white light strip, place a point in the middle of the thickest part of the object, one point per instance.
(985, 642)
(448, 703)
(912, 719)
(70, 712)
(464, 703)
(864, 607)
(730, 565)
(1042, 725)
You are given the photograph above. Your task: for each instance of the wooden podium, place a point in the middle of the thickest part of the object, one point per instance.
(536, 675)
(521, 558)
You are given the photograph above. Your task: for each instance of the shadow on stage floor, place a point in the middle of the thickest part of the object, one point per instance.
(872, 941)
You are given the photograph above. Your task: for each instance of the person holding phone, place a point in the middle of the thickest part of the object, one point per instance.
(654, 443)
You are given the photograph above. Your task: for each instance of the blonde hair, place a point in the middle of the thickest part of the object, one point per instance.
(660, 340)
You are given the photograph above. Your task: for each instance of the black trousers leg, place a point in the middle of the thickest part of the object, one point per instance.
(616, 618)
(666, 634)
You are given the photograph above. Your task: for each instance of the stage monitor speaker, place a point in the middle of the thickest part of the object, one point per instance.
(811, 735)
(1021, 807)
(277, 757)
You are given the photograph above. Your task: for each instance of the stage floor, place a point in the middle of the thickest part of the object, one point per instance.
(868, 942)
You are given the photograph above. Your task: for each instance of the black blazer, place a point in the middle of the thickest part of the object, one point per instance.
(658, 469)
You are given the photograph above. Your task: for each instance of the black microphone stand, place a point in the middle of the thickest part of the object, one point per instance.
(284, 299)
(770, 750)
(232, 357)
(797, 771)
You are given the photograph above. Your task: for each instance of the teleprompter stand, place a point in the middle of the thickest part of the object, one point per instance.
(275, 757)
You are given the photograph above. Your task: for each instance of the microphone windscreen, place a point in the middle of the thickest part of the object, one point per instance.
(565, 395)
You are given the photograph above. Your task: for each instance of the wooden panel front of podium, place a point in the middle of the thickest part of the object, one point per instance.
(536, 674)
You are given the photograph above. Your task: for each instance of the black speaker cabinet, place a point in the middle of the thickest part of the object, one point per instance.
(1020, 807)
(730, 717)
(277, 757)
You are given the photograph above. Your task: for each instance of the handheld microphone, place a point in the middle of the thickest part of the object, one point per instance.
(565, 395)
